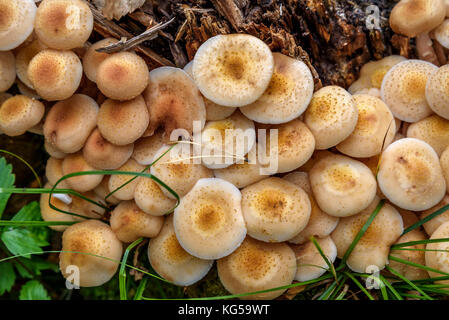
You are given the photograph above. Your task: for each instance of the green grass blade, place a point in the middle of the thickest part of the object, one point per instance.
(410, 283)
(320, 250)
(426, 219)
(391, 288)
(359, 285)
(417, 265)
(122, 274)
(141, 288)
(36, 176)
(9, 223)
(413, 243)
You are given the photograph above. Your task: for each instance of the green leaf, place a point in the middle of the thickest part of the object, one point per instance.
(33, 290)
(8, 277)
(7, 179)
(35, 265)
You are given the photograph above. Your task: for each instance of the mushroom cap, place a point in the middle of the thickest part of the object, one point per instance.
(437, 92)
(331, 116)
(85, 208)
(54, 152)
(172, 262)
(7, 70)
(27, 91)
(55, 75)
(310, 263)
(288, 94)
(102, 190)
(441, 33)
(16, 22)
(233, 70)
(434, 130)
(410, 175)
(146, 147)
(413, 17)
(320, 223)
(53, 172)
(129, 223)
(438, 259)
(316, 156)
(49, 214)
(92, 58)
(433, 224)
(342, 186)
(23, 57)
(374, 131)
(177, 170)
(225, 142)
(173, 100)
(117, 180)
(275, 210)
(374, 246)
(150, 198)
(63, 24)
(209, 222)
(20, 113)
(69, 123)
(94, 238)
(257, 266)
(373, 72)
(102, 154)
(403, 89)
(444, 161)
(446, 2)
(4, 96)
(76, 163)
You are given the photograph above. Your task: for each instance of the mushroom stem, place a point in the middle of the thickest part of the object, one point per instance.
(426, 51)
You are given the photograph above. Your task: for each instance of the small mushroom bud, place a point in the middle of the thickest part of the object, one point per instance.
(102, 190)
(16, 22)
(117, 180)
(49, 214)
(53, 172)
(85, 208)
(434, 130)
(145, 148)
(23, 58)
(19, 114)
(92, 58)
(76, 163)
(150, 198)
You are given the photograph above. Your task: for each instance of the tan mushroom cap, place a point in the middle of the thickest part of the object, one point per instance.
(146, 147)
(177, 170)
(27, 91)
(7, 70)
(53, 172)
(331, 116)
(410, 175)
(404, 89)
(76, 163)
(320, 223)
(23, 58)
(316, 156)
(233, 70)
(437, 92)
(102, 191)
(444, 161)
(373, 72)
(102, 154)
(96, 239)
(414, 17)
(20, 113)
(225, 142)
(434, 130)
(92, 58)
(85, 208)
(4, 96)
(257, 266)
(69, 123)
(375, 128)
(49, 214)
(209, 222)
(174, 101)
(310, 263)
(54, 152)
(123, 122)
(16, 22)
(342, 186)
(150, 198)
(441, 33)
(129, 223)
(288, 94)
(446, 2)
(433, 224)
(438, 259)
(374, 246)
(275, 210)
(117, 180)
(213, 111)
(371, 91)
(55, 75)
(172, 262)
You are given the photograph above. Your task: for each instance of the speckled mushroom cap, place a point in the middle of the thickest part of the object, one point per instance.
(23, 57)
(150, 198)
(257, 266)
(76, 163)
(53, 151)
(438, 259)
(92, 58)
(53, 172)
(288, 94)
(444, 162)
(433, 224)
(102, 191)
(410, 175)
(434, 130)
(331, 116)
(49, 214)
(94, 238)
(403, 89)
(437, 91)
(19, 114)
(441, 33)
(310, 263)
(233, 70)
(374, 131)
(172, 262)
(85, 208)
(342, 186)
(209, 222)
(117, 180)
(7, 70)
(16, 22)
(374, 246)
(275, 210)
(146, 147)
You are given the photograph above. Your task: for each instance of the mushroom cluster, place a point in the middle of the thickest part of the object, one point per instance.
(279, 160)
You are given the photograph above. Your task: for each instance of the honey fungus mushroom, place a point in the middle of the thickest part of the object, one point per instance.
(171, 261)
(145, 148)
(410, 175)
(76, 163)
(93, 247)
(117, 180)
(433, 224)
(374, 246)
(7, 70)
(19, 114)
(150, 198)
(437, 92)
(23, 57)
(444, 161)
(50, 214)
(434, 130)
(92, 58)
(53, 172)
(16, 22)
(437, 255)
(209, 222)
(257, 266)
